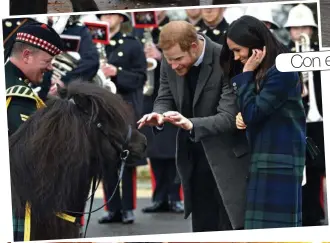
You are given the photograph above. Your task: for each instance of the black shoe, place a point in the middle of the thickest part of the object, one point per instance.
(157, 207)
(176, 207)
(128, 217)
(111, 217)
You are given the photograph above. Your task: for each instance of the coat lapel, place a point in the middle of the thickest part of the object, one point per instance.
(205, 71)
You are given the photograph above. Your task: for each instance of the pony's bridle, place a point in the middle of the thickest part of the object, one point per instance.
(123, 155)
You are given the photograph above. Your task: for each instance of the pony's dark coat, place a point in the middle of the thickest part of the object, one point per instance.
(57, 151)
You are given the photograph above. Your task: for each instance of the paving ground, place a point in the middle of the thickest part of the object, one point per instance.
(145, 224)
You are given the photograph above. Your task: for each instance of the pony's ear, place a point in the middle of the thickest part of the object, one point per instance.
(62, 92)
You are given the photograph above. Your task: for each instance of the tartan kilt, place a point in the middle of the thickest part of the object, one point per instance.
(18, 225)
(274, 196)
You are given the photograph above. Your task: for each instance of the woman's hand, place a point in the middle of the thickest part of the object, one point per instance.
(255, 59)
(239, 122)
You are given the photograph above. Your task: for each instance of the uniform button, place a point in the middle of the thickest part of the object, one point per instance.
(8, 24)
(216, 32)
(121, 41)
(120, 54)
(204, 32)
(143, 40)
(234, 84)
(113, 42)
(18, 23)
(124, 35)
(120, 68)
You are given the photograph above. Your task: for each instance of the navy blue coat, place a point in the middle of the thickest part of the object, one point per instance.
(126, 53)
(89, 64)
(276, 128)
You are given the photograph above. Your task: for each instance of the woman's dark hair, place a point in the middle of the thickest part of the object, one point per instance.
(252, 33)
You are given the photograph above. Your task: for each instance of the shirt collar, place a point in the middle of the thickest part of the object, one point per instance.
(201, 57)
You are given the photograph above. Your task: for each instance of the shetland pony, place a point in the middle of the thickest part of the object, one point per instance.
(57, 152)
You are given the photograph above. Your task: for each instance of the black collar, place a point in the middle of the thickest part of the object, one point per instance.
(18, 73)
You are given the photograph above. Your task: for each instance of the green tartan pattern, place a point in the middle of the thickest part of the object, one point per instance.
(18, 226)
(276, 131)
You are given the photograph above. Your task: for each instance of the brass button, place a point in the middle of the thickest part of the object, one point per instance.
(216, 32)
(8, 24)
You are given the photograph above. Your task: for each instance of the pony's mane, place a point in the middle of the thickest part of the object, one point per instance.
(54, 154)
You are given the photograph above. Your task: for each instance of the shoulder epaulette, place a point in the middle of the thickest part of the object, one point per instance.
(25, 92)
(20, 91)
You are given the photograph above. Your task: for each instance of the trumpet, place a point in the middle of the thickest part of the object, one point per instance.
(313, 114)
(149, 86)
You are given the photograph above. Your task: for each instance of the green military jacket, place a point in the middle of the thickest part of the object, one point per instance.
(20, 98)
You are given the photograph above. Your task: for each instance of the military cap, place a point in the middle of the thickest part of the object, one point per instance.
(125, 15)
(40, 36)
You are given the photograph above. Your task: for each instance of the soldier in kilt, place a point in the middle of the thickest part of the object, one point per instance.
(34, 47)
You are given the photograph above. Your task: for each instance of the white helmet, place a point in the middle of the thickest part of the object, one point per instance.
(300, 15)
(263, 13)
(59, 22)
(233, 13)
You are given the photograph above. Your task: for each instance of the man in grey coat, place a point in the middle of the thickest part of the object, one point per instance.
(212, 155)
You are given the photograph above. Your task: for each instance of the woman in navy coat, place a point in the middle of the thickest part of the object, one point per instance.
(272, 112)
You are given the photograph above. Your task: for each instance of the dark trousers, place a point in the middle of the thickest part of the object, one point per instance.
(126, 199)
(315, 170)
(166, 189)
(208, 211)
(312, 208)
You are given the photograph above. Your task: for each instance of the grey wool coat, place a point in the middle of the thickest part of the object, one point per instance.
(214, 109)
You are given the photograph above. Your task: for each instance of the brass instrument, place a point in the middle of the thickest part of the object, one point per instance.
(63, 63)
(148, 88)
(104, 81)
(67, 61)
(313, 114)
